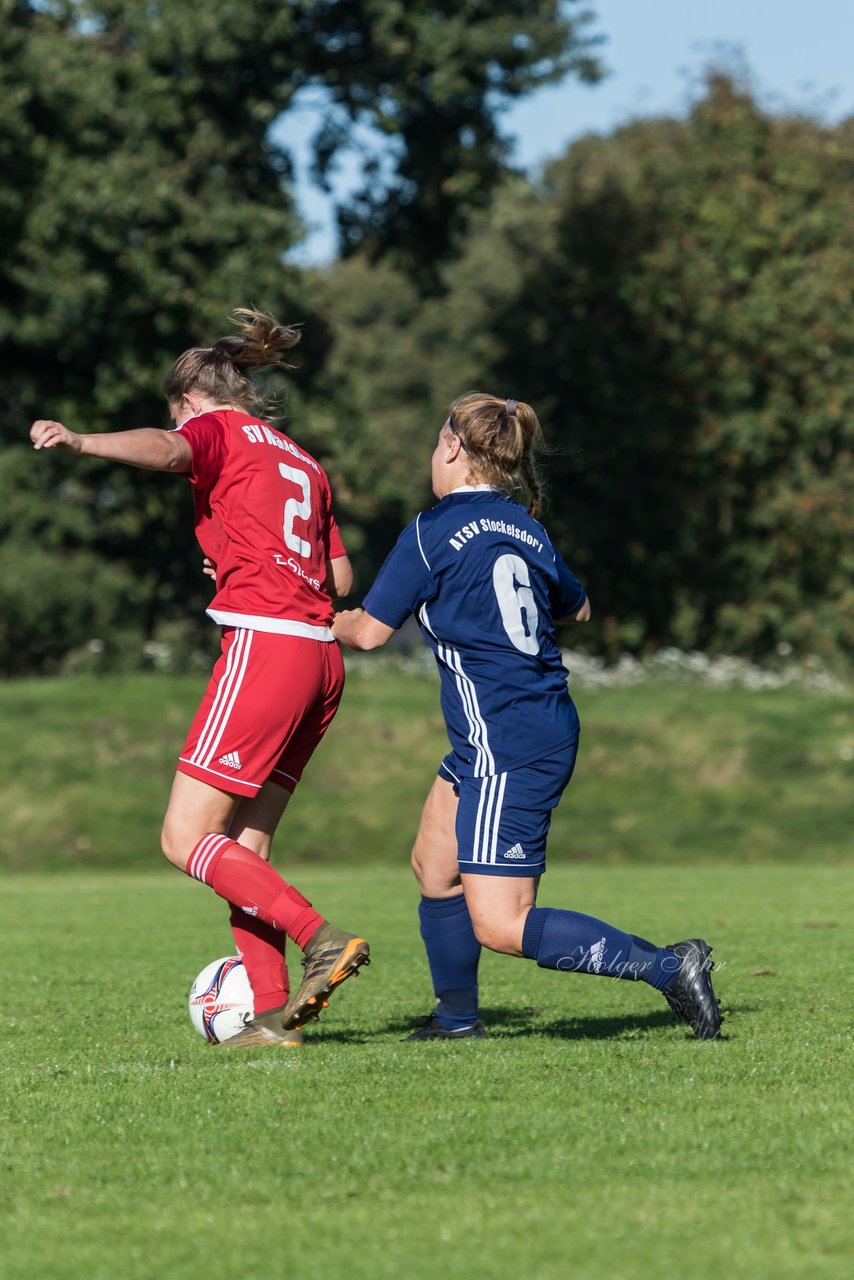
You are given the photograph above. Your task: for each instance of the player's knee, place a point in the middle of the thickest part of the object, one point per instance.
(174, 849)
(430, 880)
(437, 877)
(497, 935)
(489, 934)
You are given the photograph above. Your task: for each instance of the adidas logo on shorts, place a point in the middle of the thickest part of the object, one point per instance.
(231, 759)
(516, 852)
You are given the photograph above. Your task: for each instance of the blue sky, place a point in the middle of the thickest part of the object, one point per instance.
(800, 54)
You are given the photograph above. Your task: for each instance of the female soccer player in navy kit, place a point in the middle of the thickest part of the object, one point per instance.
(481, 576)
(264, 520)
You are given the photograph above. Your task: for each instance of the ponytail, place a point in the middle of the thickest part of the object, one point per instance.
(502, 440)
(222, 372)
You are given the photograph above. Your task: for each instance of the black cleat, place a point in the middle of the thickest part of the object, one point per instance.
(691, 995)
(430, 1028)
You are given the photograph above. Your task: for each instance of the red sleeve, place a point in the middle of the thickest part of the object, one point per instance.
(335, 547)
(206, 437)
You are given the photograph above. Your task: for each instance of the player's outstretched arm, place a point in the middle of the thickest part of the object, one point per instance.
(148, 447)
(358, 630)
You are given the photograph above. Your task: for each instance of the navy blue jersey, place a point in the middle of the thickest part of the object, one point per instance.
(485, 583)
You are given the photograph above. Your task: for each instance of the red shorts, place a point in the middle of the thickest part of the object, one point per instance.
(270, 700)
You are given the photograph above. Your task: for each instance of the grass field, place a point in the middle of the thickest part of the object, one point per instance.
(665, 774)
(588, 1137)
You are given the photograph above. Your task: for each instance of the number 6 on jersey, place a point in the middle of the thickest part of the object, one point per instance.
(519, 613)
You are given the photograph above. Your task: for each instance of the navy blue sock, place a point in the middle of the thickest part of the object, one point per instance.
(574, 943)
(453, 953)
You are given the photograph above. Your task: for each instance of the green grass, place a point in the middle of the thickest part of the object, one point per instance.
(666, 774)
(588, 1137)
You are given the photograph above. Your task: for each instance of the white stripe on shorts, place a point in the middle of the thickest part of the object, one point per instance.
(488, 818)
(499, 804)
(476, 842)
(229, 687)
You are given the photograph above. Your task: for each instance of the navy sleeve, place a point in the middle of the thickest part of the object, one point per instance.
(402, 584)
(568, 595)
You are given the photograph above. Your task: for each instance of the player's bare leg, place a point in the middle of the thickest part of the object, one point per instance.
(503, 911)
(257, 818)
(195, 810)
(499, 906)
(434, 854)
(196, 838)
(331, 954)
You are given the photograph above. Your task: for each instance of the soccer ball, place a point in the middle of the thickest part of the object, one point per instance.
(221, 1001)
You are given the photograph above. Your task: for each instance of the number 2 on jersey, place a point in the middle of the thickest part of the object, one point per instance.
(512, 584)
(296, 509)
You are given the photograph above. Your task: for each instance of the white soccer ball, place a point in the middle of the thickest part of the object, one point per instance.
(221, 1001)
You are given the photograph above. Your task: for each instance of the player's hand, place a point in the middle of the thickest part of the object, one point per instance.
(341, 621)
(46, 434)
(359, 630)
(209, 568)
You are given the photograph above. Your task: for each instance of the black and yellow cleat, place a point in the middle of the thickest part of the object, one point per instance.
(691, 995)
(331, 957)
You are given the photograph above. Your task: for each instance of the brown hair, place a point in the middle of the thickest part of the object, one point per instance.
(221, 372)
(502, 440)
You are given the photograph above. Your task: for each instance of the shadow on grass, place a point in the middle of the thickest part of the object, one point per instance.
(510, 1023)
(346, 1035)
(505, 1023)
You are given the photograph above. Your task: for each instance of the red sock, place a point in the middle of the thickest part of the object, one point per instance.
(262, 950)
(245, 880)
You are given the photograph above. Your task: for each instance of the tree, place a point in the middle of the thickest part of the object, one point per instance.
(675, 302)
(147, 195)
(698, 290)
(429, 81)
(142, 204)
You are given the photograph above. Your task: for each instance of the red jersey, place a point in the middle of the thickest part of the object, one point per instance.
(264, 517)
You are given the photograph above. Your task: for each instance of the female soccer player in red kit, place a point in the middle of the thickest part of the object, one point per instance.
(263, 515)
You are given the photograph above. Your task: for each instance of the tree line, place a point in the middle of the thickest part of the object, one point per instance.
(674, 300)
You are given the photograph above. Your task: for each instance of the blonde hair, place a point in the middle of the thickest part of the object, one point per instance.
(221, 372)
(502, 440)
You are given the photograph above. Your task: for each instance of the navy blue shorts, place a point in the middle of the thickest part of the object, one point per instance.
(503, 820)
